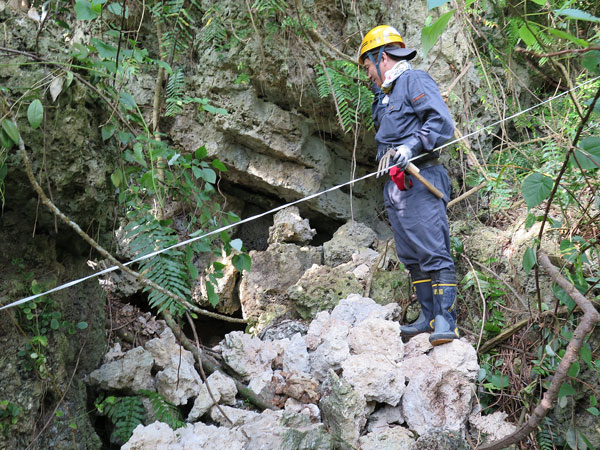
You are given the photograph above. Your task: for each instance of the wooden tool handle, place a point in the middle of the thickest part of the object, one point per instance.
(414, 171)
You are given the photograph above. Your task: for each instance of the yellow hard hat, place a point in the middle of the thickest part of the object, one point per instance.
(383, 35)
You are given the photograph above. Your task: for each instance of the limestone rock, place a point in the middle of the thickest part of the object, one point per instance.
(236, 415)
(300, 387)
(384, 417)
(165, 349)
(343, 411)
(321, 288)
(132, 373)
(273, 272)
(178, 384)
(441, 440)
(225, 287)
(417, 345)
(437, 400)
(247, 355)
(310, 410)
(377, 336)
(355, 308)
(278, 429)
(250, 358)
(284, 329)
(295, 356)
(375, 376)
(197, 436)
(491, 427)
(178, 379)
(332, 350)
(288, 226)
(396, 438)
(460, 355)
(223, 390)
(388, 286)
(348, 239)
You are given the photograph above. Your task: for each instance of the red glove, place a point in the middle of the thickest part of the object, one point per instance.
(401, 179)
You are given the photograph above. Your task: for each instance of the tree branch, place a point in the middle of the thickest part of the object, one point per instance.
(145, 281)
(586, 325)
(558, 53)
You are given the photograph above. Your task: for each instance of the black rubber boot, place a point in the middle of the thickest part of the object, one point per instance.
(424, 324)
(444, 299)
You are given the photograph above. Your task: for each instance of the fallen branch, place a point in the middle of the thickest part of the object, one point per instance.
(586, 325)
(466, 194)
(202, 373)
(210, 366)
(557, 53)
(142, 279)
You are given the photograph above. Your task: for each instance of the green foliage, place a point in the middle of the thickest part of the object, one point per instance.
(430, 34)
(39, 319)
(536, 188)
(163, 410)
(546, 435)
(177, 20)
(125, 413)
(354, 99)
(10, 414)
(188, 181)
(214, 30)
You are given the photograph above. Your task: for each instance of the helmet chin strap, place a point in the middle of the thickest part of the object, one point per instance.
(376, 64)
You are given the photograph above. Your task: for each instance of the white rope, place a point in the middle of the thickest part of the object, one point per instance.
(310, 197)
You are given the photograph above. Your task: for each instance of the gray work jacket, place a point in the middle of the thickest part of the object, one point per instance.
(415, 116)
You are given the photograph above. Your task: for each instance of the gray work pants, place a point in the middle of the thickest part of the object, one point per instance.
(419, 222)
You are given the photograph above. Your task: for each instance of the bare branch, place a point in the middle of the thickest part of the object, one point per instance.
(586, 325)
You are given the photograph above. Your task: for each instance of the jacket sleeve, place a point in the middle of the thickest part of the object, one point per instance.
(427, 102)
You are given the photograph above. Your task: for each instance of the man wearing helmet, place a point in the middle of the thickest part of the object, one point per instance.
(412, 120)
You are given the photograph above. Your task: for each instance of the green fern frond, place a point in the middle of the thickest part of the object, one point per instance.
(353, 98)
(214, 30)
(174, 93)
(125, 413)
(546, 436)
(164, 411)
(269, 6)
(168, 269)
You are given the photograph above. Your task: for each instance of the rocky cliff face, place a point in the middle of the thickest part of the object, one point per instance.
(280, 140)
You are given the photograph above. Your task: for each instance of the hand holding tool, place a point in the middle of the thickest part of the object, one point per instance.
(413, 170)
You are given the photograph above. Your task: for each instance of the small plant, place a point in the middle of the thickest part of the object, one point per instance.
(9, 416)
(125, 413)
(163, 410)
(38, 320)
(353, 98)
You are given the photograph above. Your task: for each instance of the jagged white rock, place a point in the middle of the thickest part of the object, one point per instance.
(131, 373)
(295, 356)
(458, 354)
(250, 357)
(333, 349)
(491, 427)
(178, 380)
(377, 336)
(396, 438)
(223, 389)
(288, 226)
(376, 377)
(236, 415)
(385, 416)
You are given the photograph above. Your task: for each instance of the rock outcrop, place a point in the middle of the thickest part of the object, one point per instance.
(350, 374)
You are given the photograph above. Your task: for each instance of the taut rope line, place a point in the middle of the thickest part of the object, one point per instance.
(278, 208)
